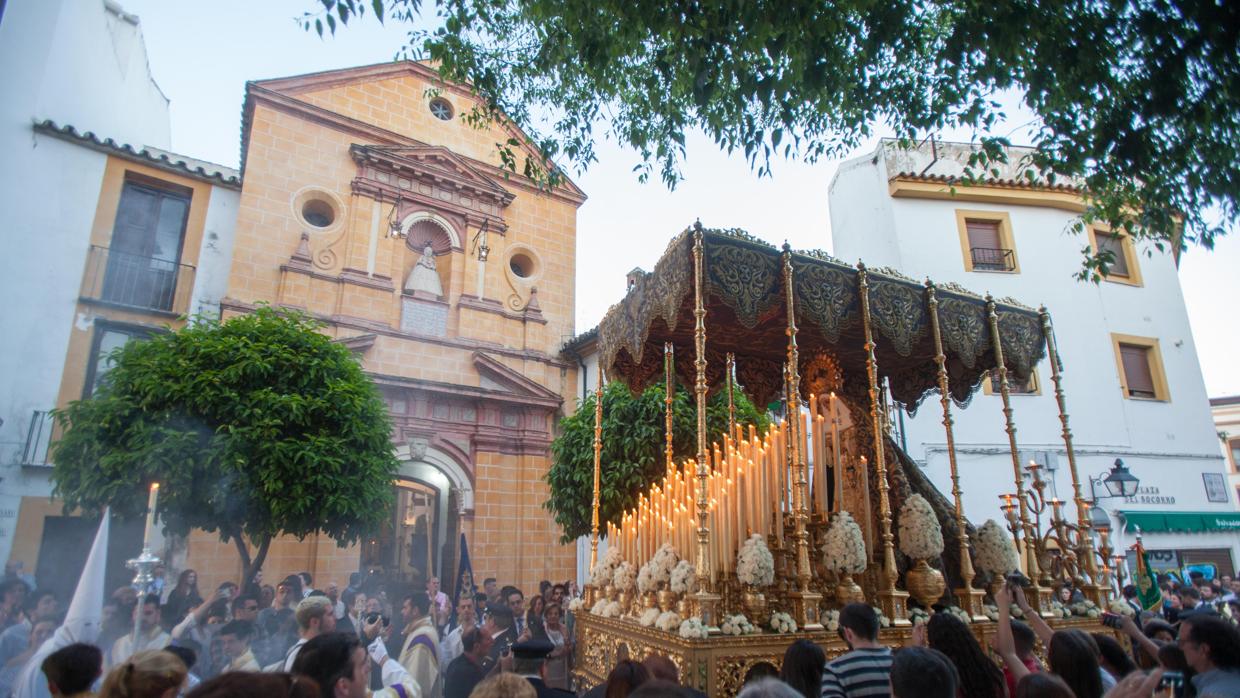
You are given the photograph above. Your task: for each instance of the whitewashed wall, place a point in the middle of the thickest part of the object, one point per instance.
(1167, 445)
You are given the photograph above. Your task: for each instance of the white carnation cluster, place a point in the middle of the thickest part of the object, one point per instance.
(576, 605)
(648, 617)
(883, 621)
(754, 564)
(831, 619)
(1086, 609)
(783, 623)
(1060, 610)
(599, 606)
(921, 537)
(662, 564)
(843, 549)
(611, 610)
(960, 613)
(991, 611)
(693, 628)
(601, 573)
(995, 552)
(624, 576)
(645, 578)
(918, 616)
(684, 577)
(1121, 607)
(667, 621)
(736, 625)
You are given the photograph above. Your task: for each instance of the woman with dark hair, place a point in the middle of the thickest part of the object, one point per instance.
(1072, 655)
(246, 684)
(979, 677)
(802, 668)
(534, 617)
(1042, 685)
(181, 599)
(1112, 657)
(625, 678)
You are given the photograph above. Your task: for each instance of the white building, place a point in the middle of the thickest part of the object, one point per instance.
(1132, 381)
(108, 236)
(1226, 411)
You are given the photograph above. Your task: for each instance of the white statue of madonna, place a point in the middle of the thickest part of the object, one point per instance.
(424, 276)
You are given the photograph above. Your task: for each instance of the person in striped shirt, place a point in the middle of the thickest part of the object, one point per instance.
(865, 671)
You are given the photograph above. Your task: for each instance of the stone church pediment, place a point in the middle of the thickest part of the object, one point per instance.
(496, 377)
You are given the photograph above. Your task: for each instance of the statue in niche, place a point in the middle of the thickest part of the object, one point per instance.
(424, 275)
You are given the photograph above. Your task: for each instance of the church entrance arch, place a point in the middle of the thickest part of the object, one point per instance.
(419, 540)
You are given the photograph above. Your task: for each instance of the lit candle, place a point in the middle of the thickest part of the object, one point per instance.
(835, 453)
(151, 500)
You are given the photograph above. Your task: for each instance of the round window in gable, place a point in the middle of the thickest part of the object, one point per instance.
(318, 213)
(521, 265)
(441, 108)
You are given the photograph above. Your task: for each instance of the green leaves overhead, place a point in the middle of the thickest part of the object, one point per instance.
(633, 444)
(255, 427)
(1134, 101)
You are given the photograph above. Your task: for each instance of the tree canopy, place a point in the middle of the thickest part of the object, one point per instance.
(254, 427)
(633, 442)
(1135, 102)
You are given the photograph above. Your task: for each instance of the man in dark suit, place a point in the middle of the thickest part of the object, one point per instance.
(467, 670)
(529, 661)
(498, 627)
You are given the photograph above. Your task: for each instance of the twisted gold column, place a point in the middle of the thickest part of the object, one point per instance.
(705, 601)
(1085, 540)
(731, 370)
(893, 602)
(1041, 596)
(669, 384)
(598, 455)
(804, 602)
(970, 599)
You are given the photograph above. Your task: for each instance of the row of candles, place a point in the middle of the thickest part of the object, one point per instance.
(749, 489)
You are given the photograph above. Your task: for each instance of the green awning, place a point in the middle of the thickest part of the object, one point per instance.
(1184, 521)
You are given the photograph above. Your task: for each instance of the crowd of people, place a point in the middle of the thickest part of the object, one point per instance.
(299, 641)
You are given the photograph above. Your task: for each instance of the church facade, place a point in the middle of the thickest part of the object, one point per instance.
(369, 203)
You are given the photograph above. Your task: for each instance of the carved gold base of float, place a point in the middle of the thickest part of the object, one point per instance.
(719, 664)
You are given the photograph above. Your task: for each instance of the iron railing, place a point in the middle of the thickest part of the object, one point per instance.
(38, 438)
(134, 281)
(990, 259)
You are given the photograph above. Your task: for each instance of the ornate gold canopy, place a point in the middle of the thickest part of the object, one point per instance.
(744, 292)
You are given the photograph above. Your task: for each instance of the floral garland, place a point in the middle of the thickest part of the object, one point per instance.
(693, 628)
(662, 564)
(624, 576)
(995, 552)
(667, 621)
(684, 577)
(645, 578)
(843, 548)
(831, 619)
(782, 623)
(921, 537)
(918, 616)
(737, 625)
(755, 565)
(648, 617)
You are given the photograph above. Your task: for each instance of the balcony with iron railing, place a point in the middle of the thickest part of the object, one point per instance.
(133, 281)
(992, 259)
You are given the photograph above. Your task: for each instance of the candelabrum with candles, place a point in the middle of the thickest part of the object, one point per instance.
(145, 563)
(1104, 552)
(1120, 561)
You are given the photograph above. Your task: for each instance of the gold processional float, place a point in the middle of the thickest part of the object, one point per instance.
(779, 530)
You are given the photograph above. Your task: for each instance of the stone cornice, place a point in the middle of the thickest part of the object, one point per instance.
(486, 305)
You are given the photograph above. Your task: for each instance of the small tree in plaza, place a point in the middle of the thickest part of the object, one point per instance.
(255, 427)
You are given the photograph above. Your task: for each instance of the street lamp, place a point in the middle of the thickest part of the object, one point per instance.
(1119, 482)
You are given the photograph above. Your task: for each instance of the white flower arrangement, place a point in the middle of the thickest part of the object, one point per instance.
(667, 621)
(684, 577)
(1121, 607)
(831, 619)
(576, 605)
(624, 576)
(1086, 609)
(648, 617)
(693, 628)
(883, 621)
(613, 557)
(960, 613)
(645, 578)
(611, 610)
(843, 548)
(1015, 612)
(755, 565)
(991, 611)
(662, 564)
(921, 536)
(737, 625)
(783, 623)
(918, 616)
(1060, 610)
(601, 573)
(599, 607)
(995, 552)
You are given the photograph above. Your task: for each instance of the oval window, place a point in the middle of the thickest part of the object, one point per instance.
(441, 108)
(318, 213)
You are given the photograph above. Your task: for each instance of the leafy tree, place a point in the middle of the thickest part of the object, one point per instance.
(1135, 99)
(633, 445)
(255, 427)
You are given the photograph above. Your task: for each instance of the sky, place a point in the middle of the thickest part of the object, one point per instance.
(202, 53)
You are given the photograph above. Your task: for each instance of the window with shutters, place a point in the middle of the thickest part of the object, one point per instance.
(1140, 368)
(986, 241)
(1233, 448)
(1016, 386)
(1124, 267)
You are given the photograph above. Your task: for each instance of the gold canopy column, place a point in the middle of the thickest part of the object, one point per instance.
(804, 602)
(970, 599)
(598, 452)
(705, 601)
(669, 384)
(1085, 541)
(1040, 597)
(893, 602)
